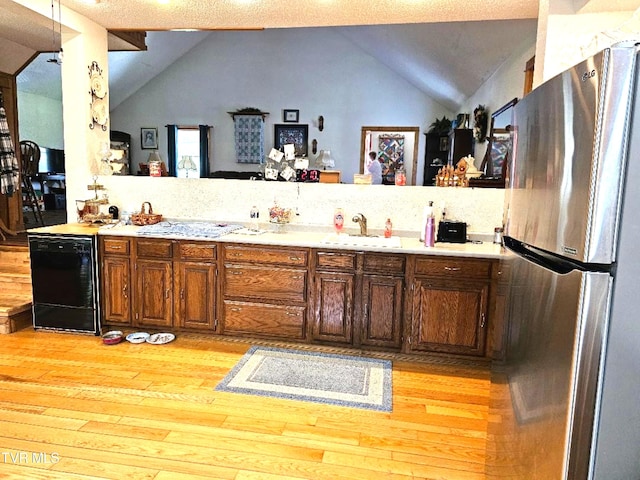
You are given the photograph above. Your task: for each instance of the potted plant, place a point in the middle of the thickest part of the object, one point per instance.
(441, 126)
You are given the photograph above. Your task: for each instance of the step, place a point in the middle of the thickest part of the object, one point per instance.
(15, 281)
(13, 255)
(15, 312)
(16, 288)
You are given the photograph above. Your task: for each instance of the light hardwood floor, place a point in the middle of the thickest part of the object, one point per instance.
(73, 408)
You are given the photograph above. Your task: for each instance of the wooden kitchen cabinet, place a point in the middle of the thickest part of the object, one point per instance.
(450, 298)
(358, 298)
(333, 314)
(264, 291)
(421, 304)
(154, 283)
(116, 280)
(196, 286)
(159, 283)
(333, 296)
(382, 300)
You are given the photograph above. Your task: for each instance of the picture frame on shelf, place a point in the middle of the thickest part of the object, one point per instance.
(149, 138)
(291, 116)
(298, 135)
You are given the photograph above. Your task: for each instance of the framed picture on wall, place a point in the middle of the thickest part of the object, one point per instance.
(291, 116)
(298, 135)
(149, 138)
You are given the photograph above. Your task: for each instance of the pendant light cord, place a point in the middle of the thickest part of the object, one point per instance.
(53, 35)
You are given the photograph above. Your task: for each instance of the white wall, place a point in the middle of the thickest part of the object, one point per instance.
(36, 117)
(576, 37)
(503, 86)
(315, 70)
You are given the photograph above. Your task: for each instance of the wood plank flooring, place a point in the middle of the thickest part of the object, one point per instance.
(73, 408)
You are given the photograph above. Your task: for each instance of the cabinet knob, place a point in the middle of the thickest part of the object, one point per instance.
(482, 320)
(452, 269)
(235, 272)
(293, 314)
(235, 309)
(124, 290)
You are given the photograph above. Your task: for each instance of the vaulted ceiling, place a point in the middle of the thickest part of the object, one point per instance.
(447, 48)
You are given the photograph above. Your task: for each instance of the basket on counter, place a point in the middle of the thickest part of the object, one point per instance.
(145, 217)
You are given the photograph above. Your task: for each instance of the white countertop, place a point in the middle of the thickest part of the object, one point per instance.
(316, 239)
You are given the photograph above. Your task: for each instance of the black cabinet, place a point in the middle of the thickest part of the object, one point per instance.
(445, 149)
(460, 144)
(435, 156)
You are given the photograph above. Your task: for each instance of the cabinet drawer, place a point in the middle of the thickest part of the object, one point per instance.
(200, 251)
(154, 248)
(264, 319)
(117, 246)
(387, 264)
(454, 267)
(273, 256)
(336, 260)
(251, 281)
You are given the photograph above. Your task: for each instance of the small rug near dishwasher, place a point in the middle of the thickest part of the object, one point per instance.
(344, 380)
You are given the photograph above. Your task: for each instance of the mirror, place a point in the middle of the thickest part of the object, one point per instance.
(494, 164)
(394, 146)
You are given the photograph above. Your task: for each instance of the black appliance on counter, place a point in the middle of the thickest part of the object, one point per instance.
(452, 232)
(65, 283)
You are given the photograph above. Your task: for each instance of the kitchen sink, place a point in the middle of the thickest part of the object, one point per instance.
(362, 240)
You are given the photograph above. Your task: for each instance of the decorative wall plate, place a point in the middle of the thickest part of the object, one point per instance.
(98, 85)
(99, 112)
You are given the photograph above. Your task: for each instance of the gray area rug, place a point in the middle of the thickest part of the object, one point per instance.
(311, 376)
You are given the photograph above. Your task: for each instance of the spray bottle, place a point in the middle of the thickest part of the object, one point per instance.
(430, 230)
(428, 211)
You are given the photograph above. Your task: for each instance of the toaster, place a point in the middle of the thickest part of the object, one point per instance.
(452, 232)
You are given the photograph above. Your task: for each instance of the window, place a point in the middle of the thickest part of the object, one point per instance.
(188, 151)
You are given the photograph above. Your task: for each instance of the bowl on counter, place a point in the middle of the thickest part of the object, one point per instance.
(113, 337)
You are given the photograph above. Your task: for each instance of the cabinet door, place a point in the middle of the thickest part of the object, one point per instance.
(382, 311)
(154, 301)
(333, 300)
(449, 316)
(116, 290)
(195, 302)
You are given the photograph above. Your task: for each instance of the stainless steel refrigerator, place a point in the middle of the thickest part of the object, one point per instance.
(565, 402)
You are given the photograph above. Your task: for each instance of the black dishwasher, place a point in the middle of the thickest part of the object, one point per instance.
(64, 281)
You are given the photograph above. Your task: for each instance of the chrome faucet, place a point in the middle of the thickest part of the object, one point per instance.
(361, 220)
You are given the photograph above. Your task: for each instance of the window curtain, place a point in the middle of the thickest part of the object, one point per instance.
(172, 133)
(204, 150)
(249, 138)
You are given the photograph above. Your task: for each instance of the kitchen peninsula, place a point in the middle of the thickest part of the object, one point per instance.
(298, 286)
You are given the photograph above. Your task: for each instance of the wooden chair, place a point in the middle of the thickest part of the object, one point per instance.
(29, 159)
